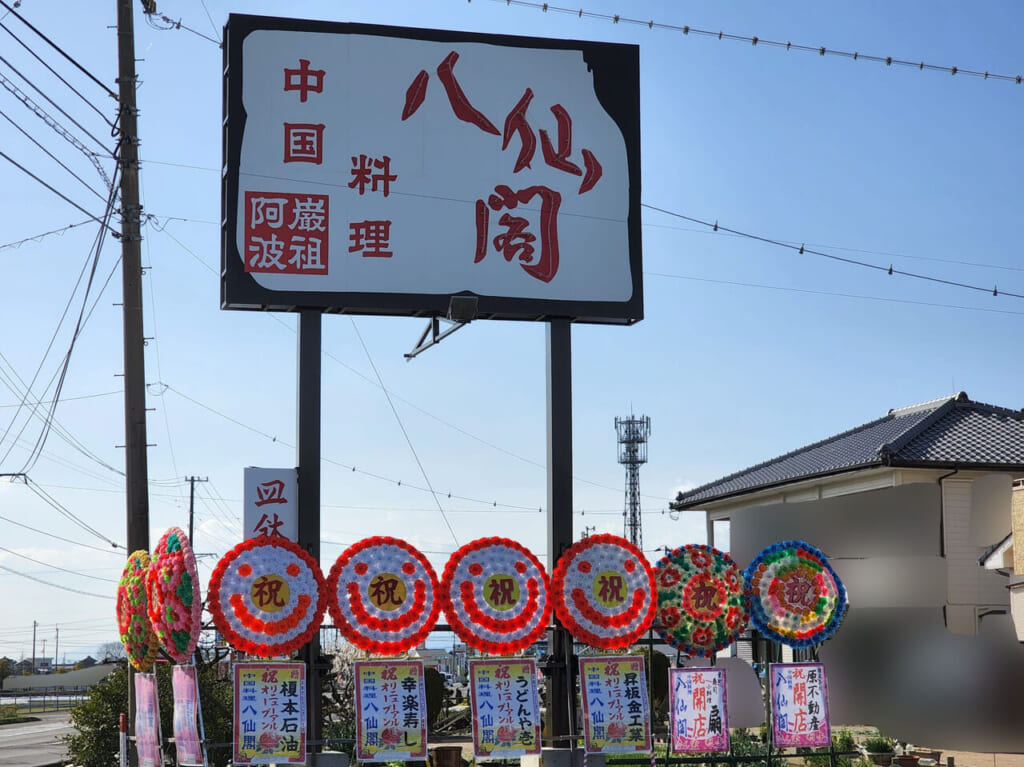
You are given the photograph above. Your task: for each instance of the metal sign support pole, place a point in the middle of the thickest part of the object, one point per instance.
(561, 698)
(308, 471)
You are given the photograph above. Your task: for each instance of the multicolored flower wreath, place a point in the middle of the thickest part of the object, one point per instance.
(175, 607)
(381, 594)
(603, 589)
(703, 600)
(495, 594)
(137, 635)
(267, 596)
(796, 596)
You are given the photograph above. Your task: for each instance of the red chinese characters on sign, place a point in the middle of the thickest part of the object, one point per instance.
(270, 492)
(304, 80)
(363, 174)
(304, 142)
(370, 238)
(286, 233)
(516, 241)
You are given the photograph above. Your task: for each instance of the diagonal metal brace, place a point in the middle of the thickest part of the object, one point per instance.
(433, 335)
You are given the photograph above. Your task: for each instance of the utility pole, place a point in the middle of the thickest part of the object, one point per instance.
(136, 480)
(131, 284)
(192, 505)
(56, 647)
(33, 647)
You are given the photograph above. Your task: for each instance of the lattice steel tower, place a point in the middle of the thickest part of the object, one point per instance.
(633, 433)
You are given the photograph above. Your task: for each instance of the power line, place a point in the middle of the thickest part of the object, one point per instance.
(57, 74)
(55, 504)
(59, 50)
(56, 127)
(55, 585)
(820, 50)
(408, 439)
(39, 237)
(62, 569)
(715, 226)
(830, 293)
(52, 103)
(51, 155)
(66, 199)
(60, 538)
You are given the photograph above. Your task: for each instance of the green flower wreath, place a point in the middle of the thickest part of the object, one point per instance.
(703, 600)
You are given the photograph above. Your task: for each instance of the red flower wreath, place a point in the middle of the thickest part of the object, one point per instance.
(267, 596)
(603, 590)
(175, 606)
(495, 594)
(137, 634)
(381, 594)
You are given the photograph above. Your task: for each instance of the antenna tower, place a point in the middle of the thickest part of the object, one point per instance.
(633, 433)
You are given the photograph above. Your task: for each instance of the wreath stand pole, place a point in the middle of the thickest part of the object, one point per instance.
(308, 473)
(561, 700)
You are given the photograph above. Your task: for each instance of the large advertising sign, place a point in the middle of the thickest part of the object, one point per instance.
(506, 712)
(799, 705)
(386, 170)
(616, 717)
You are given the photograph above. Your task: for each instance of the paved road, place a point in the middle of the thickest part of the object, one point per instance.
(34, 744)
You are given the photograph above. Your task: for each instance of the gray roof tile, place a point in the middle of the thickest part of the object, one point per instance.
(953, 431)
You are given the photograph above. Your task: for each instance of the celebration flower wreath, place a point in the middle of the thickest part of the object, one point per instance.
(703, 600)
(603, 589)
(381, 595)
(137, 635)
(267, 596)
(495, 594)
(796, 596)
(175, 607)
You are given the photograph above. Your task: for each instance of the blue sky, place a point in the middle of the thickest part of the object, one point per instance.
(747, 350)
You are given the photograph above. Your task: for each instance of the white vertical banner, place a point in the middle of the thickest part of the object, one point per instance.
(270, 503)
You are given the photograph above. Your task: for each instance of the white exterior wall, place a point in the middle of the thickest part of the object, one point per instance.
(968, 584)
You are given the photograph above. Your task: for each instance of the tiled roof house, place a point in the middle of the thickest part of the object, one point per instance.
(914, 511)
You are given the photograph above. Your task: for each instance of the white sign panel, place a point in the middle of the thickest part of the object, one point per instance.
(271, 506)
(395, 168)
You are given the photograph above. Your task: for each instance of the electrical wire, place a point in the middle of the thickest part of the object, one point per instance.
(57, 75)
(79, 325)
(52, 103)
(55, 504)
(56, 127)
(51, 155)
(830, 293)
(66, 199)
(39, 237)
(55, 585)
(405, 433)
(820, 50)
(59, 50)
(62, 569)
(715, 226)
(56, 537)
